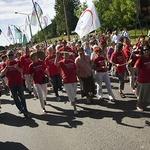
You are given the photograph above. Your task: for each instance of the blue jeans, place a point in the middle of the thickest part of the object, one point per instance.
(121, 80)
(57, 83)
(19, 98)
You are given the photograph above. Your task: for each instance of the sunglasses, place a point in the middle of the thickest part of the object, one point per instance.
(100, 51)
(145, 50)
(10, 55)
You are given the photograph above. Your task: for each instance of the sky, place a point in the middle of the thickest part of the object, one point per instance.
(9, 18)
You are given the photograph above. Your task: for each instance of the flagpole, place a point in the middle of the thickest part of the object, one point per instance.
(39, 22)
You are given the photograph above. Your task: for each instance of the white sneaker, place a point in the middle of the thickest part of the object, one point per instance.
(100, 97)
(75, 112)
(139, 109)
(44, 111)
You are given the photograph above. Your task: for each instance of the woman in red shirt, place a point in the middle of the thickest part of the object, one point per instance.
(100, 66)
(38, 70)
(54, 71)
(143, 66)
(69, 76)
(118, 60)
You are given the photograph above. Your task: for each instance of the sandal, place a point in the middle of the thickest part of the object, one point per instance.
(122, 95)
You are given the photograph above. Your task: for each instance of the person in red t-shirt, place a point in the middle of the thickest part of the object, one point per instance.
(54, 71)
(143, 67)
(128, 56)
(142, 41)
(38, 70)
(25, 62)
(13, 71)
(69, 77)
(100, 66)
(118, 60)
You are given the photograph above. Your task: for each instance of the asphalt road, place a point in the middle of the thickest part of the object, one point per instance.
(100, 126)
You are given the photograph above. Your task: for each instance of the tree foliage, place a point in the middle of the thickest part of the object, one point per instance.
(81, 8)
(116, 14)
(71, 7)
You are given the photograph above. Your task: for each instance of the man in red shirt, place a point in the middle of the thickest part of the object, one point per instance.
(13, 71)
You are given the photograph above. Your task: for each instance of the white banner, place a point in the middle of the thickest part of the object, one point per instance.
(88, 21)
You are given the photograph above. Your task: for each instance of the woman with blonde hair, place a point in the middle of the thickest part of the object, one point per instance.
(38, 70)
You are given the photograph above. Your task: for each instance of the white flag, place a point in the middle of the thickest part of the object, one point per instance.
(46, 20)
(34, 20)
(88, 21)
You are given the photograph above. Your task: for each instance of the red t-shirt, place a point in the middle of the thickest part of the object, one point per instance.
(127, 52)
(13, 76)
(37, 71)
(25, 62)
(68, 71)
(52, 68)
(100, 62)
(118, 58)
(143, 64)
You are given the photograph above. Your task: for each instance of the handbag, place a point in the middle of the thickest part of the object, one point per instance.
(46, 79)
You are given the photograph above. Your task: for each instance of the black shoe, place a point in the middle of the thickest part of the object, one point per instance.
(26, 114)
(113, 100)
(45, 102)
(30, 92)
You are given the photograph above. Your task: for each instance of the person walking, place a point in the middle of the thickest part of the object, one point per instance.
(69, 76)
(38, 70)
(54, 71)
(25, 62)
(118, 60)
(100, 66)
(84, 73)
(143, 86)
(13, 71)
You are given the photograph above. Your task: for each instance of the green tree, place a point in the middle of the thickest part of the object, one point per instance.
(116, 14)
(71, 7)
(81, 8)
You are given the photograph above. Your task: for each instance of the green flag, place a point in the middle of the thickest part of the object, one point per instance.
(24, 41)
(18, 33)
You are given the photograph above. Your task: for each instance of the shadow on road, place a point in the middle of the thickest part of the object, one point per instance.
(61, 118)
(12, 145)
(17, 121)
(117, 116)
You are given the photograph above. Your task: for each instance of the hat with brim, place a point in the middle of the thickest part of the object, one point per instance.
(66, 52)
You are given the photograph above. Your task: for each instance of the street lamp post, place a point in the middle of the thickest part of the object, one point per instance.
(29, 23)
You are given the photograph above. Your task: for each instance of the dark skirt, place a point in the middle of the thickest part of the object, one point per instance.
(87, 85)
(143, 92)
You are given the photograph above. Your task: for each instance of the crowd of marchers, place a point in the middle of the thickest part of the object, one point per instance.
(89, 62)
